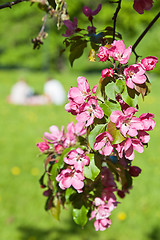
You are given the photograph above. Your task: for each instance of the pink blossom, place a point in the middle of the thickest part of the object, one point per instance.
(80, 94)
(89, 13)
(147, 121)
(134, 171)
(119, 53)
(70, 177)
(107, 72)
(72, 107)
(141, 5)
(71, 27)
(103, 143)
(126, 122)
(89, 111)
(43, 145)
(130, 145)
(149, 63)
(102, 224)
(103, 54)
(56, 135)
(143, 137)
(134, 74)
(77, 158)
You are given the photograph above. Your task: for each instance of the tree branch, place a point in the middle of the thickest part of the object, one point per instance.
(143, 34)
(115, 17)
(10, 4)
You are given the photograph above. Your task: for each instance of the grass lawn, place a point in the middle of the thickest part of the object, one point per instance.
(22, 216)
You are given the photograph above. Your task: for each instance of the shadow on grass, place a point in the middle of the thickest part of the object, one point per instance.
(154, 234)
(69, 230)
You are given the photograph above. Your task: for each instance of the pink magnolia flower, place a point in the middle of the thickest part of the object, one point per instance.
(119, 53)
(70, 177)
(89, 111)
(147, 121)
(71, 27)
(103, 143)
(149, 63)
(134, 74)
(89, 13)
(126, 122)
(77, 158)
(141, 5)
(107, 72)
(103, 54)
(43, 145)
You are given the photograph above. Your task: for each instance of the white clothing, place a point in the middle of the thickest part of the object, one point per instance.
(20, 92)
(55, 91)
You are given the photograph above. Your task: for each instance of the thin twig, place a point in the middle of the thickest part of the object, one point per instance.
(10, 4)
(115, 18)
(143, 34)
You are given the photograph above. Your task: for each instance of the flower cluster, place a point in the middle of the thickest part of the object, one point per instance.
(83, 103)
(134, 74)
(59, 140)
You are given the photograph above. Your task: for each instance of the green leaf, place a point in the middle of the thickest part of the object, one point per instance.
(119, 86)
(109, 106)
(91, 171)
(130, 97)
(68, 193)
(110, 90)
(92, 135)
(56, 210)
(115, 133)
(76, 50)
(80, 215)
(54, 171)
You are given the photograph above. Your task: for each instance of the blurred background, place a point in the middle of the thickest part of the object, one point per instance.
(22, 214)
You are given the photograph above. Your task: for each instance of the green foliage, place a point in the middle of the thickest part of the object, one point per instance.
(80, 215)
(91, 171)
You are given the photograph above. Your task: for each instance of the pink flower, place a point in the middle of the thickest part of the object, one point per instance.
(77, 158)
(119, 53)
(107, 72)
(43, 145)
(149, 63)
(89, 13)
(80, 94)
(126, 122)
(134, 74)
(147, 121)
(130, 145)
(103, 143)
(141, 5)
(102, 224)
(71, 27)
(89, 111)
(143, 137)
(134, 171)
(72, 107)
(103, 54)
(56, 135)
(70, 177)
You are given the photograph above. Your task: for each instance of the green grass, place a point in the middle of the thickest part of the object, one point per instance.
(22, 216)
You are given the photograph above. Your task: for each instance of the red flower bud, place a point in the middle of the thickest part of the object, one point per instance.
(134, 171)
